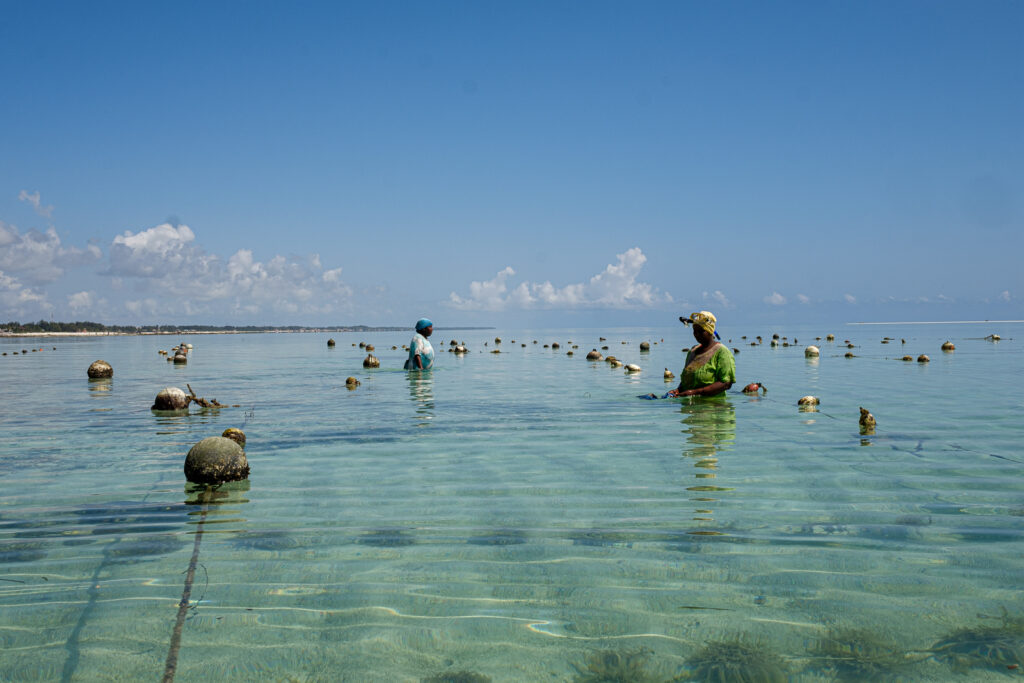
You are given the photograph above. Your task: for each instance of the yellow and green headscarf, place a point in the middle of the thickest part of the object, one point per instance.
(705, 320)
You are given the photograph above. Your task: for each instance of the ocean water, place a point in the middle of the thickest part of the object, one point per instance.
(520, 516)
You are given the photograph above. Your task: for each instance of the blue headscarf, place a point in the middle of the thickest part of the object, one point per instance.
(423, 323)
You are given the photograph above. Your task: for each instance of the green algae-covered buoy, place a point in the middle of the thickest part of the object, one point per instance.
(214, 460)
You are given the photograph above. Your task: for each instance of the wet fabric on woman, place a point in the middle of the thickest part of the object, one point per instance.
(708, 366)
(709, 369)
(420, 346)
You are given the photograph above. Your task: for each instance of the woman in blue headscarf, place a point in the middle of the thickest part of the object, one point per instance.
(421, 353)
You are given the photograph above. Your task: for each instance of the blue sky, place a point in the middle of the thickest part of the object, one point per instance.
(519, 163)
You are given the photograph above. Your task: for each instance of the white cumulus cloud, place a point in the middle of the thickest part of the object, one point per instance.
(1004, 295)
(803, 298)
(18, 300)
(82, 301)
(40, 257)
(775, 299)
(717, 297)
(614, 287)
(167, 265)
(850, 299)
(487, 295)
(34, 199)
(154, 252)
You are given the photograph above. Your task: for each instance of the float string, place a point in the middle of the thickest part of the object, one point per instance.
(172, 653)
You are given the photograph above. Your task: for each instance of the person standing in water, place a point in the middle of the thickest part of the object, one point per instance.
(710, 368)
(421, 353)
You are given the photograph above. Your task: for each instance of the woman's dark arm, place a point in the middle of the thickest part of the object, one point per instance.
(710, 390)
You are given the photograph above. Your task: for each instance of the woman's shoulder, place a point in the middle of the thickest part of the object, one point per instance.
(722, 348)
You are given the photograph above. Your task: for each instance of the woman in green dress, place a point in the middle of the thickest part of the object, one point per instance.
(710, 368)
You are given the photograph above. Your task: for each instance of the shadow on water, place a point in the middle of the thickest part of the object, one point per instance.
(144, 531)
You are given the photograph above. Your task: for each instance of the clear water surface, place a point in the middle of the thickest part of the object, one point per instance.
(516, 516)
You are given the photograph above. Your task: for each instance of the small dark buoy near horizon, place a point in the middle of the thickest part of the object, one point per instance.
(923, 359)
(645, 346)
(593, 355)
(371, 361)
(180, 358)
(948, 346)
(100, 369)
(171, 398)
(331, 342)
(214, 460)
(352, 382)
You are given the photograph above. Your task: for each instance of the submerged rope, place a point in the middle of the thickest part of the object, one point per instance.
(172, 653)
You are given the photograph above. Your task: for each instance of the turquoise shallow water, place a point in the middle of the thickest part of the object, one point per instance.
(519, 515)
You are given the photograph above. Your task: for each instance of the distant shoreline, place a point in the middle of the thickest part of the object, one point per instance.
(181, 333)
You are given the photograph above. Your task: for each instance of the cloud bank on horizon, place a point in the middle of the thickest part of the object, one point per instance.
(616, 287)
(163, 274)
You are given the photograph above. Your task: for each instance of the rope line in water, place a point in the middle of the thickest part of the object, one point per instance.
(172, 653)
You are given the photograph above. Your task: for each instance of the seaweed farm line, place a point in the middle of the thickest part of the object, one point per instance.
(517, 513)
